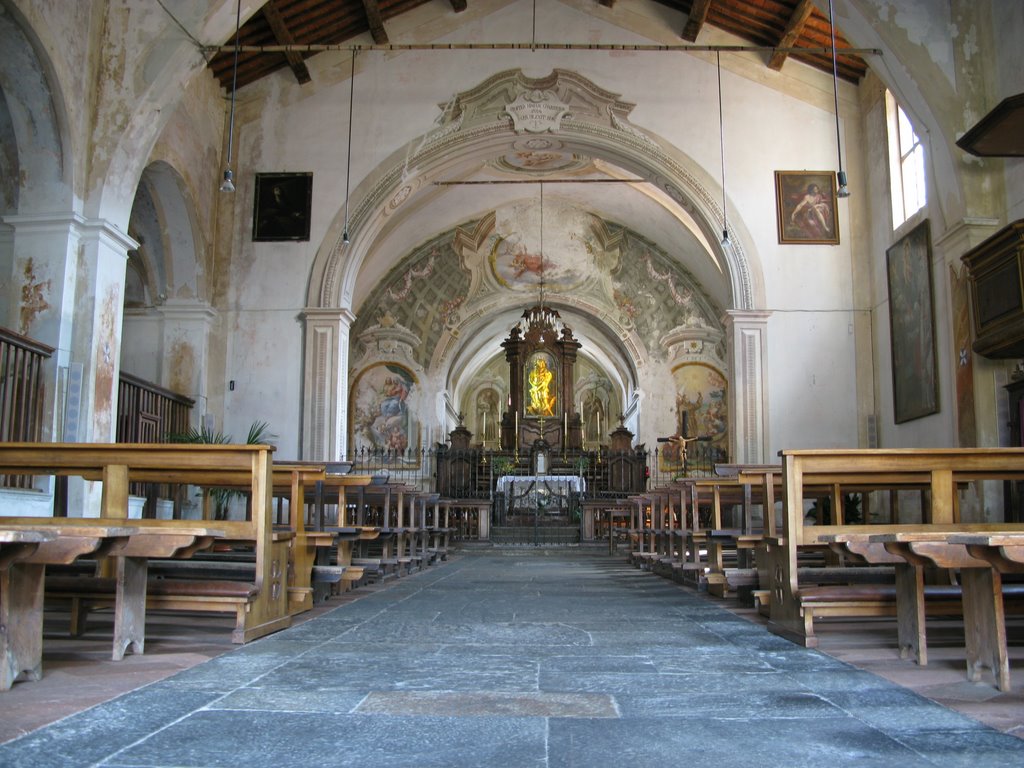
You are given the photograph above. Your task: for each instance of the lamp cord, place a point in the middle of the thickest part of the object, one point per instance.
(721, 142)
(234, 81)
(835, 83)
(348, 161)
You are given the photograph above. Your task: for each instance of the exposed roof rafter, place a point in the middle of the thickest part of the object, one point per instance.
(794, 29)
(288, 32)
(283, 36)
(375, 22)
(695, 21)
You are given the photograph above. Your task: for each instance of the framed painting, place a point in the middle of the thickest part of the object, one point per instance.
(915, 382)
(281, 206)
(806, 207)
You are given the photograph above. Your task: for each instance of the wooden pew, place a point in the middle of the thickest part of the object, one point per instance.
(941, 471)
(979, 597)
(21, 616)
(260, 606)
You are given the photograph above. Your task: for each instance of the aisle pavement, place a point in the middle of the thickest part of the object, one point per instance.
(521, 658)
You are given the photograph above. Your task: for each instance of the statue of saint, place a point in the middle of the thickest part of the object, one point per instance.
(542, 399)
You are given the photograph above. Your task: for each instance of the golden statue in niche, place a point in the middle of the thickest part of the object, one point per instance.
(541, 394)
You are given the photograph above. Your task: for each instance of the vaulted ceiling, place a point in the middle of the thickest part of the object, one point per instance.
(290, 31)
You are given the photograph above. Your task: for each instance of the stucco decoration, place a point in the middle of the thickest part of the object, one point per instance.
(536, 111)
(386, 339)
(411, 307)
(539, 156)
(383, 413)
(597, 403)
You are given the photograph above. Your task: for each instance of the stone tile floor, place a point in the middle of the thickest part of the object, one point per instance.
(511, 658)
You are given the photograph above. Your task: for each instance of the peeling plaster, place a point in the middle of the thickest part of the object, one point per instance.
(105, 363)
(926, 24)
(34, 297)
(182, 366)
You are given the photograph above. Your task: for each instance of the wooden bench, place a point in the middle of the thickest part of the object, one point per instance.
(259, 610)
(940, 472)
(980, 597)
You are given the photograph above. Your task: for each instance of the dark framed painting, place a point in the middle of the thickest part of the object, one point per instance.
(806, 207)
(281, 206)
(915, 383)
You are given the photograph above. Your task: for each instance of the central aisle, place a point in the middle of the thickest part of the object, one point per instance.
(521, 658)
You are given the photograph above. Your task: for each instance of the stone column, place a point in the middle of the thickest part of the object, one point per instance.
(747, 331)
(325, 383)
(71, 272)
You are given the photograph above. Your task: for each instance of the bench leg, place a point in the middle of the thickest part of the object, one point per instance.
(21, 623)
(79, 613)
(910, 627)
(985, 625)
(130, 606)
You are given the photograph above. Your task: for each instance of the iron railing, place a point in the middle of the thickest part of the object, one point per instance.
(473, 473)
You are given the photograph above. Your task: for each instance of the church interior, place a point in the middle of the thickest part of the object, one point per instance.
(528, 268)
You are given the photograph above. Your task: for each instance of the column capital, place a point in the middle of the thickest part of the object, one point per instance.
(328, 314)
(69, 221)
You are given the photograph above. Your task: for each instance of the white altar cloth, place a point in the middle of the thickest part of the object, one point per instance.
(556, 484)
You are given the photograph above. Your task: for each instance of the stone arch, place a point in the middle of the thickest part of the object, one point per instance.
(163, 214)
(36, 119)
(474, 127)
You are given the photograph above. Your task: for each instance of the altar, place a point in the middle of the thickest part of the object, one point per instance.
(544, 494)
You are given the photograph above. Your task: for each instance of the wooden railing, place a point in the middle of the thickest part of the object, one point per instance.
(22, 394)
(147, 413)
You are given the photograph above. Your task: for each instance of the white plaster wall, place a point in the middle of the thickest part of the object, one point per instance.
(264, 363)
(141, 345)
(813, 390)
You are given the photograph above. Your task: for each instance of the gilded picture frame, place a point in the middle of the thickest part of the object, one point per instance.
(806, 209)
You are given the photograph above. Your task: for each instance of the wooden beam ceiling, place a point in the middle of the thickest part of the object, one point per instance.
(289, 25)
(695, 21)
(375, 22)
(284, 37)
(794, 28)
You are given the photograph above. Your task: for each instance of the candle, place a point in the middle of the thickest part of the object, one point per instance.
(599, 427)
(484, 436)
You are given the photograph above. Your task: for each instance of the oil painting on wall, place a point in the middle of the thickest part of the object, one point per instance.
(806, 207)
(282, 204)
(911, 324)
(701, 412)
(381, 411)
